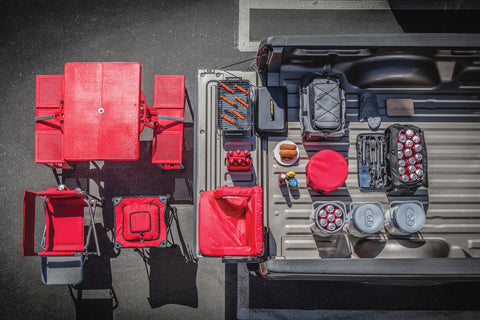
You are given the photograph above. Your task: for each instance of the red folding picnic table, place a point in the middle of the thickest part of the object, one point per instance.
(96, 111)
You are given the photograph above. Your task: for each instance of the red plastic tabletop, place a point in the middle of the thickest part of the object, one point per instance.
(101, 111)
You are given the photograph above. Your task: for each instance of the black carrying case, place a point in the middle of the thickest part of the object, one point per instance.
(322, 106)
(394, 185)
(377, 171)
(271, 111)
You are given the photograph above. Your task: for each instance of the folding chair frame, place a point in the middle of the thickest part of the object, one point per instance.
(29, 230)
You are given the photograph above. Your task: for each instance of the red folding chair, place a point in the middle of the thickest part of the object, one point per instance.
(64, 244)
(141, 221)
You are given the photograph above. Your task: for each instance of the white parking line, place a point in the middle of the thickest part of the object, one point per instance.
(244, 6)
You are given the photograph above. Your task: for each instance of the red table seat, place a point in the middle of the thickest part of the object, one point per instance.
(48, 133)
(168, 134)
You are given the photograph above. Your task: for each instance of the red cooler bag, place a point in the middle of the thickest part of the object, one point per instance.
(326, 171)
(230, 222)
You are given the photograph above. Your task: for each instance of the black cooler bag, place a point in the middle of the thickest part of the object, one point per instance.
(395, 185)
(322, 107)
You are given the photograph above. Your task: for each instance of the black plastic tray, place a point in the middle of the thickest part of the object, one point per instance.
(375, 160)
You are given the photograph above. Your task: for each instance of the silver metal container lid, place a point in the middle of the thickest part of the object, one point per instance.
(368, 218)
(410, 217)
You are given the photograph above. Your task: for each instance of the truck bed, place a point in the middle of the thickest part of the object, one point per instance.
(448, 246)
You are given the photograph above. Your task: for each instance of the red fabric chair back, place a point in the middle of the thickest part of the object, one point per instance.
(231, 222)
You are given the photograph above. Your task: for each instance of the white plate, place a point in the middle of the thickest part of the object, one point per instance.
(276, 153)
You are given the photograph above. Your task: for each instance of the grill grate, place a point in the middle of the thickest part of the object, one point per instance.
(224, 108)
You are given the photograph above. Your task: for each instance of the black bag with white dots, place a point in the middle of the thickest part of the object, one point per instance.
(406, 159)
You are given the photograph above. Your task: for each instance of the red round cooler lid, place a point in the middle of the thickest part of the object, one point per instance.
(327, 170)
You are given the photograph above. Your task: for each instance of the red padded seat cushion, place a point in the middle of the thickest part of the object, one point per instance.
(64, 223)
(230, 222)
(140, 222)
(326, 171)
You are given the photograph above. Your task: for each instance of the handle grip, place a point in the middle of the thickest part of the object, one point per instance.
(53, 116)
(226, 191)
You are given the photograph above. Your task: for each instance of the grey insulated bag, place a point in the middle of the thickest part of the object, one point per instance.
(322, 107)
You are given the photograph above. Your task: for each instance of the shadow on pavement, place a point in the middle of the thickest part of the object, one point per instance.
(95, 297)
(171, 271)
(130, 178)
(231, 291)
(172, 279)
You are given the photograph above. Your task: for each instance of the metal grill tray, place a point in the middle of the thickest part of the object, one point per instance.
(224, 108)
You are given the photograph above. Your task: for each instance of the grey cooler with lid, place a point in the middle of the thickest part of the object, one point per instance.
(405, 217)
(365, 218)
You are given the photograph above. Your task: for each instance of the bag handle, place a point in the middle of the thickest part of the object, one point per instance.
(226, 191)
